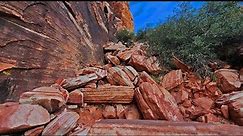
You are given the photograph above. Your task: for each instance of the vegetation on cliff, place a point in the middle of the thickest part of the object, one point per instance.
(196, 35)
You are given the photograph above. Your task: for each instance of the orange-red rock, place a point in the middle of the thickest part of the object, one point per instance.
(77, 82)
(50, 98)
(143, 63)
(145, 77)
(180, 96)
(226, 99)
(86, 118)
(117, 76)
(236, 112)
(225, 111)
(143, 106)
(126, 54)
(158, 127)
(122, 11)
(160, 102)
(109, 112)
(131, 72)
(76, 97)
(91, 85)
(172, 79)
(212, 88)
(96, 112)
(112, 59)
(80, 131)
(114, 46)
(203, 102)
(132, 112)
(15, 117)
(241, 75)
(34, 132)
(120, 111)
(228, 80)
(108, 94)
(88, 70)
(62, 124)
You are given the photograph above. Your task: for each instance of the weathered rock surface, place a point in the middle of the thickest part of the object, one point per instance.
(77, 82)
(228, 80)
(16, 118)
(162, 105)
(112, 59)
(50, 98)
(144, 127)
(121, 9)
(108, 94)
(109, 112)
(76, 97)
(117, 76)
(132, 112)
(234, 101)
(35, 131)
(143, 63)
(91, 70)
(62, 124)
(172, 79)
(111, 46)
(40, 38)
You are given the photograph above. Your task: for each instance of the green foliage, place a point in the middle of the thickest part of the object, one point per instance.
(125, 36)
(193, 35)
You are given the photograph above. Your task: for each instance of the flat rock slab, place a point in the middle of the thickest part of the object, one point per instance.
(20, 117)
(108, 94)
(50, 98)
(77, 82)
(124, 127)
(62, 124)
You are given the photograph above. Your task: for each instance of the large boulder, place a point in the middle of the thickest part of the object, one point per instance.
(62, 124)
(117, 76)
(159, 101)
(228, 80)
(172, 79)
(16, 117)
(50, 98)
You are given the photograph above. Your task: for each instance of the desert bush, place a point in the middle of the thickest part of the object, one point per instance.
(195, 35)
(125, 36)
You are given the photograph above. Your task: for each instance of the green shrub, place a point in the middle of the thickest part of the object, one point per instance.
(194, 35)
(125, 36)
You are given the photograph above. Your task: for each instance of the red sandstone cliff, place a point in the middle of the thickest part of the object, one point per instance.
(44, 41)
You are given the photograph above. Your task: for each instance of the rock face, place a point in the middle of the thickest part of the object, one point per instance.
(62, 124)
(121, 9)
(15, 117)
(40, 38)
(228, 80)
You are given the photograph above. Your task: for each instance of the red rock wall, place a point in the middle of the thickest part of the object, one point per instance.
(43, 41)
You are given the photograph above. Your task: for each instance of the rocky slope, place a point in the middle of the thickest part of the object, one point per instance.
(122, 98)
(43, 41)
(118, 96)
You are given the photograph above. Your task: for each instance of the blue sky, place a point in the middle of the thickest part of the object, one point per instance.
(150, 13)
